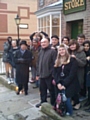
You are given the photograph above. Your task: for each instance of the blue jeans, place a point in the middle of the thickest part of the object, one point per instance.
(37, 83)
(69, 106)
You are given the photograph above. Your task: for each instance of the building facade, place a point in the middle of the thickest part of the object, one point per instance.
(8, 11)
(49, 16)
(76, 18)
(64, 17)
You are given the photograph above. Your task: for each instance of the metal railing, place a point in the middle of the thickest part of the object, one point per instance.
(2, 66)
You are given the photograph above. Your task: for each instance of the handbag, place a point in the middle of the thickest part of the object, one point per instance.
(60, 104)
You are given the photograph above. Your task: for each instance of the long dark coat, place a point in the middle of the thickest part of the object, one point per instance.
(69, 80)
(87, 69)
(22, 66)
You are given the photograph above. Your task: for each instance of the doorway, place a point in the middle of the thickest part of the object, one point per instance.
(76, 28)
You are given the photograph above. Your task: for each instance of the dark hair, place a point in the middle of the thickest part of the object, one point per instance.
(47, 38)
(86, 42)
(9, 39)
(55, 36)
(66, 38)
(35, 39)
(72, 41)
(81, 36)
(40, 36)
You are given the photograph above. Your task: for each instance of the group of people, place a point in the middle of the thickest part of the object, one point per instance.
(67, 63)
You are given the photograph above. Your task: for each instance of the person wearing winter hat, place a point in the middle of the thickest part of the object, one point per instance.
(23, 58)
(55, 42)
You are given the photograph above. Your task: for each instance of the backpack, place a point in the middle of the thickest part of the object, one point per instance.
(6, 46)
(60, 104)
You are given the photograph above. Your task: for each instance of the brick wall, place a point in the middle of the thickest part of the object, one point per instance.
(66, 27)
(86, 25)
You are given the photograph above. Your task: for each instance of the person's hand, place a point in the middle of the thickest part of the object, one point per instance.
(62, 88)
(88, 58)
(73, 56)
(59, 86)
(53, 47)
(37, 77)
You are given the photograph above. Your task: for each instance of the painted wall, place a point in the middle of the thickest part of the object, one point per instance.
(8, 11)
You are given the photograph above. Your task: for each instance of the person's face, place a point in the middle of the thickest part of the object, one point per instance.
(23, 47)
(14, 44)
(44, 43)
(65, 41)
(28, 42)
(80, 40)
(34, 43)
(72, 47)
(86, 47)
(62, 51)
(55, 41)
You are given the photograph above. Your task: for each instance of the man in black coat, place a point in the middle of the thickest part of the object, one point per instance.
(45, 67)
(23, 58)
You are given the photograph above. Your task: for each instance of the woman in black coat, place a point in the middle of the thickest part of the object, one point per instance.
(65, 75)
(23, 58)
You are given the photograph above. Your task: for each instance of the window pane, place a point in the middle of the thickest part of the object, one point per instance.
(48, 30)
(44, 29)
(48, 21)
(55, 31)
(44, 22)
(55, 19)
(41, 22)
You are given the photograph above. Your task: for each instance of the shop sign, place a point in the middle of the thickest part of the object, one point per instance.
(70, 6)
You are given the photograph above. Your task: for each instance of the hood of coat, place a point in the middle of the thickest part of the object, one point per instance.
(81, 48)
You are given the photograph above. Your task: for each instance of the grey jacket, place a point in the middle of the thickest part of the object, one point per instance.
(81, 59)
(45, 63)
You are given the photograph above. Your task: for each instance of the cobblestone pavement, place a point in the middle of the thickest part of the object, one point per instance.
(13, 107)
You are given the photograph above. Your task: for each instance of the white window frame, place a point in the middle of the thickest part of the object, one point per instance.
(50, 14)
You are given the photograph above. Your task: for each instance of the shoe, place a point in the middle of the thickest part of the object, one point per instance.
(9, 82)
(26, 93)
(12, 81)
(67, 114)
(34, 87)
(82, 98)
(17, 92)
(87, 110)
(77, 107)
(38, 105)
(86, 104)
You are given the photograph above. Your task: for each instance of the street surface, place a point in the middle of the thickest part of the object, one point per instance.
(13, 107)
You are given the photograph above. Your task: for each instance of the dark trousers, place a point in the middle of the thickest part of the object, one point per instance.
(88, 93)
(75, 98)
(46, 84)
(83, 90)
(21, 86)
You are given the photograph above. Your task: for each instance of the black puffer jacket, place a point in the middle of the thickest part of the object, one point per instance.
(6, 52)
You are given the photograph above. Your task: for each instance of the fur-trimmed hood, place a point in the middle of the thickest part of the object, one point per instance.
(81, 48)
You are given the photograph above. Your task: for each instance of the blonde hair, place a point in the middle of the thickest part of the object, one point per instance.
(66, 60)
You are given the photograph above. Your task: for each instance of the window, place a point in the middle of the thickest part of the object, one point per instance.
(50, 24)
(41, 3)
